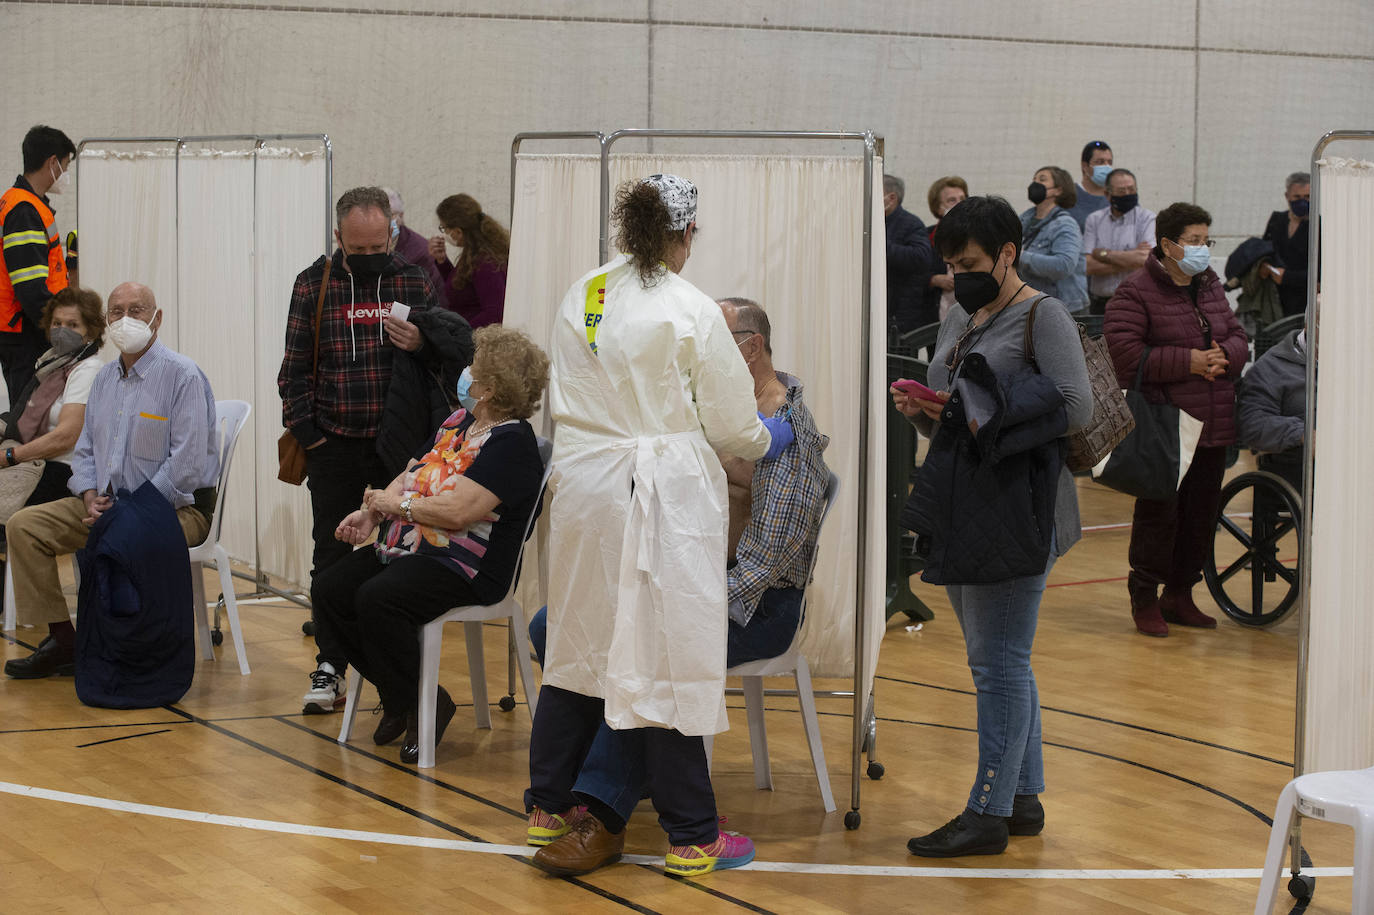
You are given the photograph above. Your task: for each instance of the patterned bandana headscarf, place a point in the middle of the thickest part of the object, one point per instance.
(679, 195)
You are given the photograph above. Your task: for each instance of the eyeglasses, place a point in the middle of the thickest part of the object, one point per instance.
(140, 313)
(1207, 242)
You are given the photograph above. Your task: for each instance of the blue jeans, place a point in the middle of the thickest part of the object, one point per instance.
(999, 621)
(613, 773)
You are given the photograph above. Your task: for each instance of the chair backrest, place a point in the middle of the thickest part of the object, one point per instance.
(545, 453)
(230, 418)
(1269, 335)
(832, 493)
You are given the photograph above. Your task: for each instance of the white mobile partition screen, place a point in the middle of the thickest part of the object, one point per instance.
(789, 231)
(218, 228)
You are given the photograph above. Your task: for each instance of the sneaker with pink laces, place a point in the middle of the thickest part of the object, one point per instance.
(730, 849)
(545, 828)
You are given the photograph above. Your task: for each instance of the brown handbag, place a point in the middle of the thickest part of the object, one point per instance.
(1112, 420)
(290, 452)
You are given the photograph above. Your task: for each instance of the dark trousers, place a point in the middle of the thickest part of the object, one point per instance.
(369, 615)
(52, 485)
(565, 724)
(338, 472)
(1097, 304)
(1169, 537)
(18, 353)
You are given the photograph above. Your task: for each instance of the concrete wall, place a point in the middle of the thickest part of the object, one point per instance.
(1211, 100)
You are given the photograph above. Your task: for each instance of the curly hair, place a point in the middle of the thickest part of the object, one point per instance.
(646, 232)
(513, 366)
(484, 239)
(85, 301)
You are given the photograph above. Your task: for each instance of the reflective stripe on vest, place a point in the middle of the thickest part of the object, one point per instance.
(11, 313)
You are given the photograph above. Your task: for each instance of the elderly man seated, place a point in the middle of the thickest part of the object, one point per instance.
(150, 417)
(1271, 407)
(775, 511)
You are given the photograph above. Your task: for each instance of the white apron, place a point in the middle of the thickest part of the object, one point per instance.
(637, 601)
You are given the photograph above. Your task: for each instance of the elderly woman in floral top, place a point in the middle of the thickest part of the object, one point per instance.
(449, 530)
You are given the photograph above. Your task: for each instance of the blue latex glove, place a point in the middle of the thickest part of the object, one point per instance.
(781, 431)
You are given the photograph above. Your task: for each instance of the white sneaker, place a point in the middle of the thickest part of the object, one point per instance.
(326, 691)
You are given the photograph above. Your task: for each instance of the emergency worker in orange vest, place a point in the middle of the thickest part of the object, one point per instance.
(35, 265)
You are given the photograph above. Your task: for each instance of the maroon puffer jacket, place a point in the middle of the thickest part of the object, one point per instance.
(1150, 309)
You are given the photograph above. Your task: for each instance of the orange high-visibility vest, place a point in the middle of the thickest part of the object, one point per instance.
(11, 312)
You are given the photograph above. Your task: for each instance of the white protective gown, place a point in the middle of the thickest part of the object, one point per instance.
(637, 601)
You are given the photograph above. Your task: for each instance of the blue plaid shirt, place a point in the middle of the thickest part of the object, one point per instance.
(157, 422)
(788, 497)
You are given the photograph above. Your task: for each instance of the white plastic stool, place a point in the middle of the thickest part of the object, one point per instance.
(1338, 797)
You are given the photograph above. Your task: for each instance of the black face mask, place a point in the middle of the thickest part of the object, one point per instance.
(367, 264)
(976, 289)
(1036, 192)
(1124, 203)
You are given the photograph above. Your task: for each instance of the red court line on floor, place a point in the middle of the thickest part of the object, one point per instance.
(1103, 581)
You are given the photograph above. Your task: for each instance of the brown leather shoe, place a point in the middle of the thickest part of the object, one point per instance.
(587, 846)
(1178, 607)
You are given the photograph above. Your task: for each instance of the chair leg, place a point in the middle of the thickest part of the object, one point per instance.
(520, 642)
(477, 673)
(1362, 893)
(207, 649)
(231, 606)
(431, 640)
(812, 726)
(350, 712)
(1278, 846)
(758, 732)
(11, 615)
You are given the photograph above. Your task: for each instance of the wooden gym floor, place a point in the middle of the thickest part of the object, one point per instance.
(1164, 758)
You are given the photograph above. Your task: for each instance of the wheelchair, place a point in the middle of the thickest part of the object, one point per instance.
(1252, 562)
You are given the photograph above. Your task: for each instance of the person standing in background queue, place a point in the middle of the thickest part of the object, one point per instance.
(945, 194)
(475, 286)
(648, 386)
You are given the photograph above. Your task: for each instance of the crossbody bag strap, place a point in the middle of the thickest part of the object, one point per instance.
(1029, 343)
(319, 312)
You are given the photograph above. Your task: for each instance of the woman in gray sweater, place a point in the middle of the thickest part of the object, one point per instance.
(995, 426)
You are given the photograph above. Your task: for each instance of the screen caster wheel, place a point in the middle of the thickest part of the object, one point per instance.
(876, 770)
(507, 703)
(1301, 887)
(852, 820)
(216, 638)
(308, 627)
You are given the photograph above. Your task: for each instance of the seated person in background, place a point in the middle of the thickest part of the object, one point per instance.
(775, 513)
(150, 418)
(48, 421)
(1271, 407)
(411, 245)
(451, 525)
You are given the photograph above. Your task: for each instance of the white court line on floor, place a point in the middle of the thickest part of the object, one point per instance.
(788, 867)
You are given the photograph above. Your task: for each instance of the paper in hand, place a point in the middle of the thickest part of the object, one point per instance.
(400, 311)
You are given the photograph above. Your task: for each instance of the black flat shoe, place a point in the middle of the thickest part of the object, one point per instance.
(47, 659)
(967, 834)
(389, 728)
(443, 714)
(1027, 816)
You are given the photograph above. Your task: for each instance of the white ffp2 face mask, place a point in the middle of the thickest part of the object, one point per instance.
(130, 334)
(61, 182)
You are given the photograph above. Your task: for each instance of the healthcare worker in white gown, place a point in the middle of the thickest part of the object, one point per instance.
(647, 386)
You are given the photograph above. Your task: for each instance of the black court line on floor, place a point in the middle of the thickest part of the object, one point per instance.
(1123, 724)
(1264, 818)
(96, 743)
(519, 814)
(396, 805)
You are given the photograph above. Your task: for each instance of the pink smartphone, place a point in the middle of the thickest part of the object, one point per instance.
(915, 389)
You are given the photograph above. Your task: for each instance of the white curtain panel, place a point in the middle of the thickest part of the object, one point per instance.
(1339, 731)
(219, 237)
(786, 231)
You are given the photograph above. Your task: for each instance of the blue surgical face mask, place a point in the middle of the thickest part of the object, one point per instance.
(1196, 258)
(1100, 173)
(464, 385)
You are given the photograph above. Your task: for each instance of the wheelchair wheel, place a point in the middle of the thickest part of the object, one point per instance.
(1252, 562)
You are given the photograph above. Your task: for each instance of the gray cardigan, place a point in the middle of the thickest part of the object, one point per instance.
(1059, 355)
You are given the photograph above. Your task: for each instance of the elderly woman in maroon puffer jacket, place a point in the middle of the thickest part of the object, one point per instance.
(1173, 313)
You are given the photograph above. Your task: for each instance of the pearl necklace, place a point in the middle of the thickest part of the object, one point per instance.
(482, 428)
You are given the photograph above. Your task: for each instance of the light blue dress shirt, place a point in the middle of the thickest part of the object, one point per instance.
(157, 422)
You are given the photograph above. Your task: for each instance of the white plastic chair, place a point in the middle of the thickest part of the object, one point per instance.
(1343, 796)
(230, 418)
(789, 662)
(431, 641)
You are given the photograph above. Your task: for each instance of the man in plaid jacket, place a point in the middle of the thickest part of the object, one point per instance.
(335, 409)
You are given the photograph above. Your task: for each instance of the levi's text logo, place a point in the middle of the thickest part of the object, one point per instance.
(367, 313)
